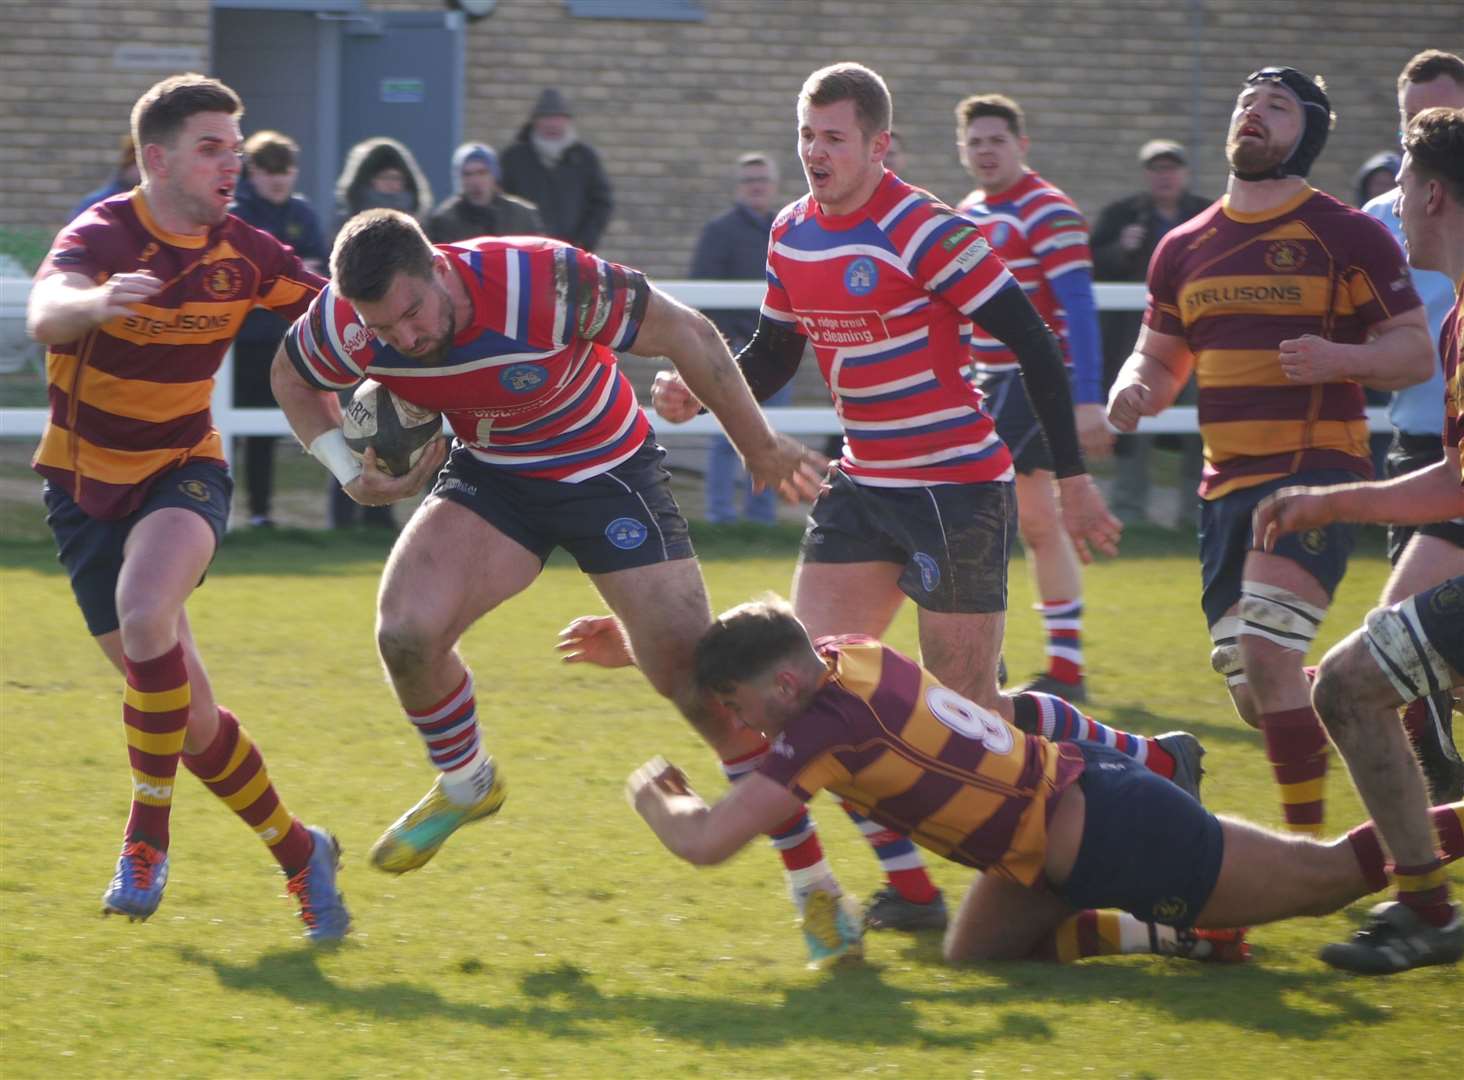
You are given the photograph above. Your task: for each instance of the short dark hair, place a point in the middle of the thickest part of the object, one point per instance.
(1428, 66)
(848, 81)
(271, 152)
(746, 642)
(372, 248)
(997, 105)
(1434, 143)
(165, 107)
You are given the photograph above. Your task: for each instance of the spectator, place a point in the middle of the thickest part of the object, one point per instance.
(379, 173)
(266, 199)
(734, 246)
(124, 178)
(1377, 175)
(478, 208)
(1124, 238)
(548, 165)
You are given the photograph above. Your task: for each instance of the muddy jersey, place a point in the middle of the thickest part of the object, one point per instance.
(919, 758)
(531, 383)
(885, 294)
(129, 399)
(1235, 286)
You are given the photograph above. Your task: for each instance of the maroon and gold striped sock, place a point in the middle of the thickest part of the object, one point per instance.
(1425, 890)
(1448, 825)
(1296, 744)
(155, 717)
(233, 769)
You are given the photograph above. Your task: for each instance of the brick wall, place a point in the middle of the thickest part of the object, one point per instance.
(670, 104)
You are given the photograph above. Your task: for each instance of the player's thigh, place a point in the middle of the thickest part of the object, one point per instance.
(961, 649)
(1426, 561)
(665, 611)
(163, 561)
(1001, 920)
(846, 598)
(1265, 876)
(447, 569)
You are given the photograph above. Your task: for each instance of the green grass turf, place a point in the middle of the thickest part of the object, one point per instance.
(558, 939)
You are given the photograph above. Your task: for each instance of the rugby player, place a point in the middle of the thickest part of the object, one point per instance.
(1042, 238)
(138, 301)
(511, 339)
(1411, 648)
(1285, 303)
(885, 282)
(1059, 829)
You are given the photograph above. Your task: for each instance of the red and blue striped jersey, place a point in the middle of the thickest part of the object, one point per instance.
(917, 757)
(1040, 234)
(886, 295)
(530, 384)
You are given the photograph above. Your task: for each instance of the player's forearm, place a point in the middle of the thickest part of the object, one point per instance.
(1163, 382)
(1400, 357)
(1428, 495)
(714, 377)
(681, 823)
(59, 312)
(311, 412)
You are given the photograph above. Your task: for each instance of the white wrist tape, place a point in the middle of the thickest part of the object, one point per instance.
(330, 450)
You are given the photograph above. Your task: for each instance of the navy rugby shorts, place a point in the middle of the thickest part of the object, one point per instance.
(91, 549)
(618, 520)
(952, 540)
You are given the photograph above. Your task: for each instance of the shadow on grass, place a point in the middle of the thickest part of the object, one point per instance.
(855, 1005)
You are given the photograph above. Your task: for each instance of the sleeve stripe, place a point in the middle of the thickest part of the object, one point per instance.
(511, 290)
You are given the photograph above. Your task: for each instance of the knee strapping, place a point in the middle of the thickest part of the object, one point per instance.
(1225, 656)
(1279, 616)
(1399, 646)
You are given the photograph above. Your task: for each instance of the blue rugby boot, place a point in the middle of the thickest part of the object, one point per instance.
(322, 907)
(415, 837)
(137, 886)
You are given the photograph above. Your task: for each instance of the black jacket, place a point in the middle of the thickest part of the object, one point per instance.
(457, 219)
(1120, 329)
(573, 198)
(733, 246)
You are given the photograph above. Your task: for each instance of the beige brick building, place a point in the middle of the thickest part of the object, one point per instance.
(670, 103)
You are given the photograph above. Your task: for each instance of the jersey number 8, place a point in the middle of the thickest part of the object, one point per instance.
(969, 719)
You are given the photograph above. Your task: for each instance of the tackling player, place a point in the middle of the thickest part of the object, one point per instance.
(511, 339)
(1043, 240)
(885, 282)
(1412, 648)
(138, 301)
(1285, 303)
(1059, 829)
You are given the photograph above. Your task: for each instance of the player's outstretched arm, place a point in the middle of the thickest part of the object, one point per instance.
(711, 376)
(1150, 380)
(703, 835)
(1418, 498)
(1397, 354)
(64, 306)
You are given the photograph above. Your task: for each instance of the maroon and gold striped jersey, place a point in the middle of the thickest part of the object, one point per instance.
(130, 399)
(1235, 286)
(917, 757)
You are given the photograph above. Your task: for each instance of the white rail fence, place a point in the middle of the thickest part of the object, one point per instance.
(794, 420)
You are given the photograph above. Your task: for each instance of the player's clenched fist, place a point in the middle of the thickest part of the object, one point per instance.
(1128, 404)
(1291, 509)
(671, 398)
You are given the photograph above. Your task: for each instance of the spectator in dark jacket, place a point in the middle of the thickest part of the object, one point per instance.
(548, 165)
(1124, 238)
(478, 208)
(734, 246)
(379, 173)
(1378, 174)
(266, 199)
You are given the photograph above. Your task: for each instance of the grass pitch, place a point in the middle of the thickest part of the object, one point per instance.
(558, 939)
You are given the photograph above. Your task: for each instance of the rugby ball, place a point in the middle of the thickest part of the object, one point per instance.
(397, 430)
